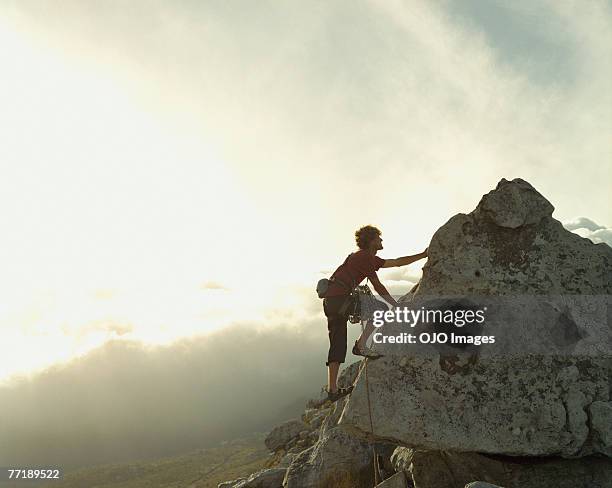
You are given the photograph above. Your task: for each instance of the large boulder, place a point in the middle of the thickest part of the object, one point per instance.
(521, 406)
(511, 244)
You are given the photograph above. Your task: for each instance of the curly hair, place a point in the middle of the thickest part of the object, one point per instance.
(365, 234)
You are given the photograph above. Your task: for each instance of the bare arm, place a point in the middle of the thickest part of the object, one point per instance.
(382, 291)
(403, 261)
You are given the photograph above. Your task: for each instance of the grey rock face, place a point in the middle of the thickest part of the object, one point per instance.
(513, 204)
(443, 469)
(283, 433)
(510, 244)
(349, 374)
(286, 460)
(523, 406)
(337, 460)
(601, 424)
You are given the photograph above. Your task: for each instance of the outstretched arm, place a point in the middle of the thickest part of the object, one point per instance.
(391, 263)
(382, 291)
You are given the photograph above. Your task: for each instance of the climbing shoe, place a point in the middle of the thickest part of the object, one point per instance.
(366, 352)
(341, 392)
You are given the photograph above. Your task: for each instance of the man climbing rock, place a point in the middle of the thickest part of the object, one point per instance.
(357, 266)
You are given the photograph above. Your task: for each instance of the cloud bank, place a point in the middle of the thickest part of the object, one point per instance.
(585, 227)
(126, 401)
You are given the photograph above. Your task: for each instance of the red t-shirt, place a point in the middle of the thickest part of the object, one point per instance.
(354, 270)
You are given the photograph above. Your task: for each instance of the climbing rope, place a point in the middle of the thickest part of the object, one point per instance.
(364, 367)
(375, 457)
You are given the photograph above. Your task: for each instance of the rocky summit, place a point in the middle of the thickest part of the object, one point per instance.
(511, 244)
(534, 416)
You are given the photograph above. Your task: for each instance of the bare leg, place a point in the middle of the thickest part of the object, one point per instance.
(332, 377)
(363, 338)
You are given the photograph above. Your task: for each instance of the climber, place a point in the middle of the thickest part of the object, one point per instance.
(357, 266)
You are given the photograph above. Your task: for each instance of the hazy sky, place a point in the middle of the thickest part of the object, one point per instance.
(169, 168)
